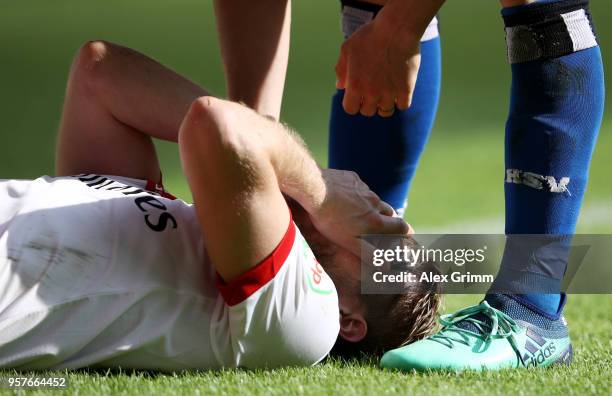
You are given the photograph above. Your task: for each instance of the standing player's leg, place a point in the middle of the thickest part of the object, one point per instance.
(116, 100)
(556, 110)
(385, 151)
(555, 114)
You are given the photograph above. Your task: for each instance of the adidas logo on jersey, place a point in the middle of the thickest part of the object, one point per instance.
(315, 274)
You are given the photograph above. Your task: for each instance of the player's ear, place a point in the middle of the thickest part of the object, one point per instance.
(353, 326)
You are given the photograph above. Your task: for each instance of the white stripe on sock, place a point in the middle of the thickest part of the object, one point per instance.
(354, 18)
(579, 29)
(432, 31)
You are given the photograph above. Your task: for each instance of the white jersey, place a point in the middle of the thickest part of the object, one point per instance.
(103, 271)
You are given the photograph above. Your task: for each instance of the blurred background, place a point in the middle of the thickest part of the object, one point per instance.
(459, 186)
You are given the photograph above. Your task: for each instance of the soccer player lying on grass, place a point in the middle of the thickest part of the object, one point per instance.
(112, 271)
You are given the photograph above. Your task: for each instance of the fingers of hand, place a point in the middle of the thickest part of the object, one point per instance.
(392, 225)
(385, 209)
(386, 106)
(369, 107)
(352, 101)
(404, 100)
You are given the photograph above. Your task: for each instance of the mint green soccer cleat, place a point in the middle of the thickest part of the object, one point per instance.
(484, 338)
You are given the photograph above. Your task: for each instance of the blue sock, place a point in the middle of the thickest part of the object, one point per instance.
(556, 110)
(385, 151)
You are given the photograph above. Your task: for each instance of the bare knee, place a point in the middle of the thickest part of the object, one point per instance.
(93, 53)
(88, 66)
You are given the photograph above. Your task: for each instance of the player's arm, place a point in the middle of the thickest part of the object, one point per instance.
(239, 164)
(379, 64)
(254, 38)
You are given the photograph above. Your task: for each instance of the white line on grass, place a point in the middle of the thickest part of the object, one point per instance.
(595, 214)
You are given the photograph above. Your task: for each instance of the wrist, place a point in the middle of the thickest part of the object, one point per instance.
(308, 189)
(314, 196)
(407, 20)
(395, 28)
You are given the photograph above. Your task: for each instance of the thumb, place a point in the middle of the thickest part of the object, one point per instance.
(407, 84)
(394, 225)
(341, 71)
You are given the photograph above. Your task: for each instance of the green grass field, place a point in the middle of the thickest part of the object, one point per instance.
(590, 374)
(458, 186)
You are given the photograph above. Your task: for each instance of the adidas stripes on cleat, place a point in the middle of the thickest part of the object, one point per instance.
(484, 338)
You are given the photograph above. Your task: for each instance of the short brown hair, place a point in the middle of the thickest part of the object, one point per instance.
(395, 320)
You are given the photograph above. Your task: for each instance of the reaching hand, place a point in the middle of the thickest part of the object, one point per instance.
(350, 209)
(378, 69)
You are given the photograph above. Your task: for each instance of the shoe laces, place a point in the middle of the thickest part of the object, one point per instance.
(499, 325)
